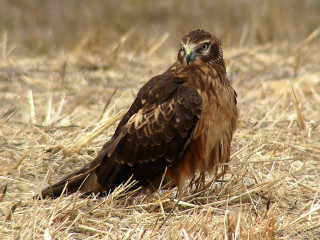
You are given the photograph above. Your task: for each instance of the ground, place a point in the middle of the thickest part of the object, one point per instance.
(57, 111)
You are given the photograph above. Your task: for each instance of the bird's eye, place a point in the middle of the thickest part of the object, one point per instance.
(205, 46)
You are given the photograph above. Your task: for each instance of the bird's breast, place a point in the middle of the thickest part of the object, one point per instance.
(210, 143)
(215, 128)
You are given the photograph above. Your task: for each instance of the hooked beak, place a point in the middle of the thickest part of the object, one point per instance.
(189, 55)
(188, 59)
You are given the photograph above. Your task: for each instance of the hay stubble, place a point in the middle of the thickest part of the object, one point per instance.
(53, 120)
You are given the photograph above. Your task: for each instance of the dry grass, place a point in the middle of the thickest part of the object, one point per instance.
(56, 113)
(44, 25)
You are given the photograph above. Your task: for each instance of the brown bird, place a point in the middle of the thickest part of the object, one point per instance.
(182, 120)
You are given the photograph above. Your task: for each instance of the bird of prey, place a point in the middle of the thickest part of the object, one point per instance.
(181, 123)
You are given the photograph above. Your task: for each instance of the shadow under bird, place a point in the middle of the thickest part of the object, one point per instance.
(182, 120)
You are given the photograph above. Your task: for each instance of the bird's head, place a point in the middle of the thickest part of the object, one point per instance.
(198, 47)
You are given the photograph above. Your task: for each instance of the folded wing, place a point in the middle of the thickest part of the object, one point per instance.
(151, 136)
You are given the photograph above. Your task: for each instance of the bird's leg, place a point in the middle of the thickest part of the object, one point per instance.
(180, 190)
(200, 182)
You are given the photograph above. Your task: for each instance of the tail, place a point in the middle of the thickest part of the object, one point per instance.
(103, 174)
(84, 180)
(100, 175)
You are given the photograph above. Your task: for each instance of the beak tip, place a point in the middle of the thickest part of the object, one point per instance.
(188, 59)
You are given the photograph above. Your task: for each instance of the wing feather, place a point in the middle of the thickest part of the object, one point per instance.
(159, 131)
(153, 133)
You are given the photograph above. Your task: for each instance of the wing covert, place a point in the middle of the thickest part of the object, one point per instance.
(158, 131)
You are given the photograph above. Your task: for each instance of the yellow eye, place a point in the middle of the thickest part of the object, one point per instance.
(205, 46)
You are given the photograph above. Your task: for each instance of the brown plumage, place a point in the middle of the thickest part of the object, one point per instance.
(182, 120)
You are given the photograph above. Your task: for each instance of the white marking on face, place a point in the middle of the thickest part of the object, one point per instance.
(195, 50)
(204, 41)
(189, 47)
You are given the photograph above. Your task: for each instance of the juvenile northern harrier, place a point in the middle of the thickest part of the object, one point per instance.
(183, 119)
